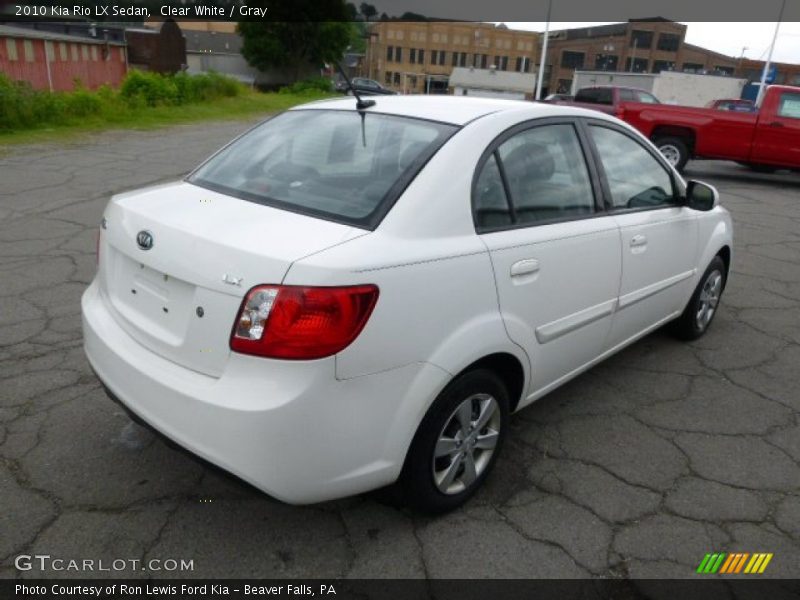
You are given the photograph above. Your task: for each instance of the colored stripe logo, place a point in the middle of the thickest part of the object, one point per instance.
(735, 563)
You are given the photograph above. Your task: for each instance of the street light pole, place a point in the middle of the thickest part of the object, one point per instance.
(762, 86)
(538, 95)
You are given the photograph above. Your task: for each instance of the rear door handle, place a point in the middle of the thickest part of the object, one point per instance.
(638, 240)
(527, 266)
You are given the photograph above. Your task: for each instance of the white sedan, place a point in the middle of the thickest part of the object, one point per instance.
(342, 300)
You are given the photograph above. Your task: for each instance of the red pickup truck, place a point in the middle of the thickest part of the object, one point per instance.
(766, 140)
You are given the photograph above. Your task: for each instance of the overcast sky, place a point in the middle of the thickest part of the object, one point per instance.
(727, 38)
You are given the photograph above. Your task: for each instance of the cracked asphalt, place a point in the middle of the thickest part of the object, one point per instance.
(637, 468)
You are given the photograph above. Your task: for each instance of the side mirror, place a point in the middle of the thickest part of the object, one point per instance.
(701, 196)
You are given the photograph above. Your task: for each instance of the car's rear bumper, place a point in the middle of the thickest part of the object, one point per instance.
(288, 427)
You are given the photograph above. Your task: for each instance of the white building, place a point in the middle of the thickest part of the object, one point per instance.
(491, 83)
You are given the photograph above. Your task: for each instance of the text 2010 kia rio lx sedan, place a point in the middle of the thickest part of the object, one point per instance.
(344, 299)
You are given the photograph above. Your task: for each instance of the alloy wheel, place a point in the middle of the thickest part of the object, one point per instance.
(708, 299)
(466, 444)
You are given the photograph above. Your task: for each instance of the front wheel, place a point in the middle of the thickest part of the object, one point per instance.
(457, 443)
(702, 307)
(674, 150)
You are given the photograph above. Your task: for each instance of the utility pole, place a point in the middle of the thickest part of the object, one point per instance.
(538, 95)
(761, 88)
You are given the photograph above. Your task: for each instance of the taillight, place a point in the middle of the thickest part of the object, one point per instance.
(296, 322)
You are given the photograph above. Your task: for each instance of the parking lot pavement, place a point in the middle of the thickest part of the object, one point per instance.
(639, 467)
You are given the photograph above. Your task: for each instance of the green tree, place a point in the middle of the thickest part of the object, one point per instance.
(298, 34)
(368, 11)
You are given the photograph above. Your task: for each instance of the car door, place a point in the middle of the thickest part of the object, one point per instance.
(658, 233)
(777, 139)
(555, 252)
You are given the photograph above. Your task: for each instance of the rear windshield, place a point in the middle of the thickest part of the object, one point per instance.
(339, 165)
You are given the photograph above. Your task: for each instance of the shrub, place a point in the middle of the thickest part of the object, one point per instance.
(315, 85)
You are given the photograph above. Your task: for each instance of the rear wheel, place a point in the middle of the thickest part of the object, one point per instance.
(674, 150)
(702, 307)
(456, 444)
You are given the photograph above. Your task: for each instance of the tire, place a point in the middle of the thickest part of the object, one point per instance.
(674, 150)
(438, 484)
(696, 318)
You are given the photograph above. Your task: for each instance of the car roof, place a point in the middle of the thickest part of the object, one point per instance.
(457, 110)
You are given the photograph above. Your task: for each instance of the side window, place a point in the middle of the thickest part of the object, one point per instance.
(491, 204)
(647, 98)
(627, 96)
(789, 105)
(545, 174)
(635, 178)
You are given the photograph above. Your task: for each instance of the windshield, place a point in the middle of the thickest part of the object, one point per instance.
(334, 164)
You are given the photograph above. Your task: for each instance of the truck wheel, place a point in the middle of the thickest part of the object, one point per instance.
(674, 150)
(456, 444)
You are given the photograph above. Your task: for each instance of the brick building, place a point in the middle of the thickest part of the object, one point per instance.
(418, 57)
(646, 46)
(54, 61)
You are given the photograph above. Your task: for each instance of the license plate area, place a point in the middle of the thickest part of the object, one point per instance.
(156, 303)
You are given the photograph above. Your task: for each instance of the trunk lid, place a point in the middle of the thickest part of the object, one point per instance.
(180, 297)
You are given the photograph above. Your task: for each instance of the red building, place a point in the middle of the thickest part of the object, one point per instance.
(54, 61)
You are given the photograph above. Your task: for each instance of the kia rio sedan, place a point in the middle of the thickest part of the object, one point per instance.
(342, 300)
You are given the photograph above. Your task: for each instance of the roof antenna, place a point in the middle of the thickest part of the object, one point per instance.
(360, 104)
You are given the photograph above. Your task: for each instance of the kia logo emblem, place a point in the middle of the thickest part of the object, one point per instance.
(144, 239)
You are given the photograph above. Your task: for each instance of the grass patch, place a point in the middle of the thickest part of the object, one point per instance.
(144, 101)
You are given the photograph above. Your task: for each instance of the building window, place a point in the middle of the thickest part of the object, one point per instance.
(398, 54)
(27, 45)
(639, 65)
(501, 62)
(438, 57)
(11, 49)
(412, 55)
(523, 64)
(389, 53)
(62, 50)
(388, 78)
(572, 60)
(689, 67)
(462, 59)
(421, 56)
(641, 39)
(397, 78)
(480, 61)
(606, 62)
(454, 59)
(668, 42)
(663, 65)
(412, 81)
(50, 51)
(720, 70)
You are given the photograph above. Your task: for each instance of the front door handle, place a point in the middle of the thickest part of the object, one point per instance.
(638, 240)
(527, 266)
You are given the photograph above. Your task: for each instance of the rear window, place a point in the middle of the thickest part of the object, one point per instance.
(595, 96)
(333, 164)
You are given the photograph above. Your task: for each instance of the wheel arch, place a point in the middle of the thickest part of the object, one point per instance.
(687, 134)
(508, 367)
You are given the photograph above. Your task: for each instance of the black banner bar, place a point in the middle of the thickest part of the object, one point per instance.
(440, 589)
